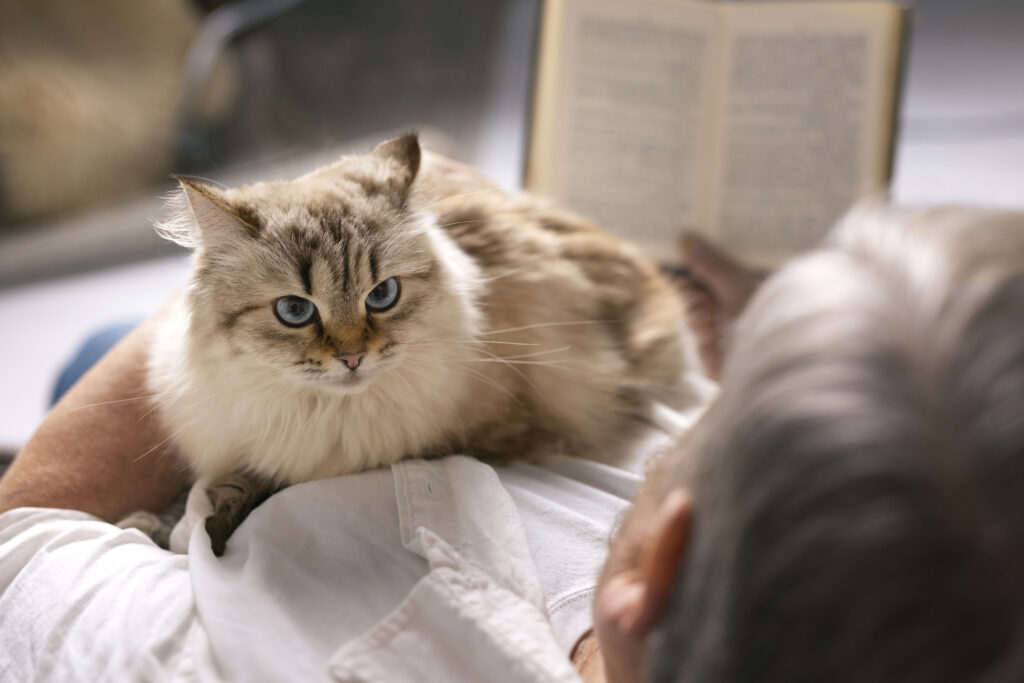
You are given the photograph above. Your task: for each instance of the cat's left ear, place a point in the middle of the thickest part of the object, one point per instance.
(403, 154)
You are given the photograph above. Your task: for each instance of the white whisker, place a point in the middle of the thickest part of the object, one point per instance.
(467, 341)
(157, 395)
(545, 363)
(537, 353)
(478, 220)
(538, 325)
(121, 400)
(521, 374)
(459, 196)
(456, 365)
(176, 432)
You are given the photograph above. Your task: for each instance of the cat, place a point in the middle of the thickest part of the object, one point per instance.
(374, 310)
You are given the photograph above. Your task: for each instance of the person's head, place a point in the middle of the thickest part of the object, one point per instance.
(852, 507)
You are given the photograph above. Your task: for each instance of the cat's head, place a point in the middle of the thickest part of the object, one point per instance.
(331, 280)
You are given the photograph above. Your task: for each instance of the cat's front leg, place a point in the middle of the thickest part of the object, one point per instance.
(158, 525)
(233, 497)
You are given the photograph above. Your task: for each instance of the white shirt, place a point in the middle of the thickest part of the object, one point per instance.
(445, 570)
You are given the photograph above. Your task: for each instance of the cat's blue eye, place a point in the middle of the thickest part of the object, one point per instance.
(383, 296)
(294, 311)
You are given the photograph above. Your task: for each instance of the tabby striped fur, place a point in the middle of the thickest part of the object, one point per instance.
(520, 328)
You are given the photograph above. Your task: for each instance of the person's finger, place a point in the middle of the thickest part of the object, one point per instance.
(728, 281)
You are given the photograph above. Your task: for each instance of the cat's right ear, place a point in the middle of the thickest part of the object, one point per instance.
(201, 216)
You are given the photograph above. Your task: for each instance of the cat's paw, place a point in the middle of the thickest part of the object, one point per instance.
(220, 525)
(233, 498)
(157, 527)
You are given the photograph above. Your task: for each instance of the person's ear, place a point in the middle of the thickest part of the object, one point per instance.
(629, 603)
(661, 556)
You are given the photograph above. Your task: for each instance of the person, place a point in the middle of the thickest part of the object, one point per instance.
(850, 508)
(447, 569)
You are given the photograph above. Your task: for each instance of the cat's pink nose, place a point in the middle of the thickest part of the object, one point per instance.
(351, 360)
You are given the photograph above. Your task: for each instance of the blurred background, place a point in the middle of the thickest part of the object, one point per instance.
(101, 101)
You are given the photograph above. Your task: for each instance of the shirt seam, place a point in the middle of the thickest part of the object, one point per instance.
(571, 599)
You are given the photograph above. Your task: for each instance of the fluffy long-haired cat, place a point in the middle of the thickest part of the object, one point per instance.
(374, 310)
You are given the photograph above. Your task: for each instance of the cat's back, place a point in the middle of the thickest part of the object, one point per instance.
(500, 229)
(585, 324)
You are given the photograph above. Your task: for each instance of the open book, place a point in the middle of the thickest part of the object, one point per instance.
(756, 124)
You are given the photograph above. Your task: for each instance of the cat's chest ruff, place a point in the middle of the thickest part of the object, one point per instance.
(297, 433)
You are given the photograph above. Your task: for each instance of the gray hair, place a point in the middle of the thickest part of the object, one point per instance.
(859, 486)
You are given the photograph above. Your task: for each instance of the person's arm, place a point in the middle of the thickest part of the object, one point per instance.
(101, 449)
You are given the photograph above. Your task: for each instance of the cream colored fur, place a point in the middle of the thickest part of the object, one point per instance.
(526, 332)
(230, 412)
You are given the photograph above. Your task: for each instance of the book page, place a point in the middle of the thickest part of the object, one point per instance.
(621, 127)
(806, 120)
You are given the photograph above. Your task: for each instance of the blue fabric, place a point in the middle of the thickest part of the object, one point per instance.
(91, 351)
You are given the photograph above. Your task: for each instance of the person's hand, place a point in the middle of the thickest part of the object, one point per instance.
(717, 288)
